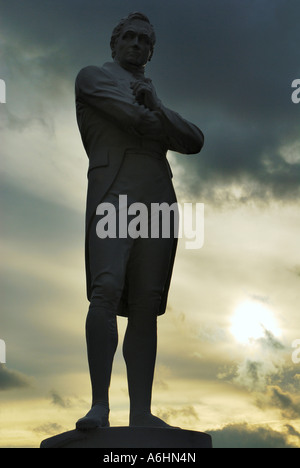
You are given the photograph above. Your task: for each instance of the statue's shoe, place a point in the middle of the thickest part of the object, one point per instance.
(96, 417)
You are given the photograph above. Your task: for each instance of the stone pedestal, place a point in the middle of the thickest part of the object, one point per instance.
(129, 437)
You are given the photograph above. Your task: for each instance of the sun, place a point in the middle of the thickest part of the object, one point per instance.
(250, 321)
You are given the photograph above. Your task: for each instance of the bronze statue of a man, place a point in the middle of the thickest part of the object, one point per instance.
(126, 132)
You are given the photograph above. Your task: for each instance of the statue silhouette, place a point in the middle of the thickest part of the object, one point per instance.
(126, 132)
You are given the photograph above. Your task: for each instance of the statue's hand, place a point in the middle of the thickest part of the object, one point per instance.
(145, 94)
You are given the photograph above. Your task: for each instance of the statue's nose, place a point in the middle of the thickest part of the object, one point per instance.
(135, 41)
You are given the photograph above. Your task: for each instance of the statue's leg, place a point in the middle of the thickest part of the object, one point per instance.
(147, 271)
(139, 349)
(108, 259)
(102, 340)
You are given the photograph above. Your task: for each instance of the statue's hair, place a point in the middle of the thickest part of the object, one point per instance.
(118, 29)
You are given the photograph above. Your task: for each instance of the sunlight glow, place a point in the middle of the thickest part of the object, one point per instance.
(250, 321)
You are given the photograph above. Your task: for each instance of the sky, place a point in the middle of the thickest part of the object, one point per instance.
(226, 364)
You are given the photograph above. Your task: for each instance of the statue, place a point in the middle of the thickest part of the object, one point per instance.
(126, 132)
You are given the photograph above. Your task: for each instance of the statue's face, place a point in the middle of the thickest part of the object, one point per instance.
(133, 46)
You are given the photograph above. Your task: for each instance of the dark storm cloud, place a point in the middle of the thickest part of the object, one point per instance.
(226, 65)
(244, 436)
(12, 379)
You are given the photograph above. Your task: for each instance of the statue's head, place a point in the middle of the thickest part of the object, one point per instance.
(133, 32)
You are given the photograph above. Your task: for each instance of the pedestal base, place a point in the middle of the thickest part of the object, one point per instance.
(129, 437)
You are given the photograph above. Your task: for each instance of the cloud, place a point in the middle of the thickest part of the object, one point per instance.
(292, 431)
(242, 435)
(283, 400)
(227, 67)
(12, 379)
(268, 377)
(231, 74)
(266, 364)
(270, 341)
(187, 414)
(275, 397)
(58, 400)
(49, 429)
(38, 224)
(296, 270)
